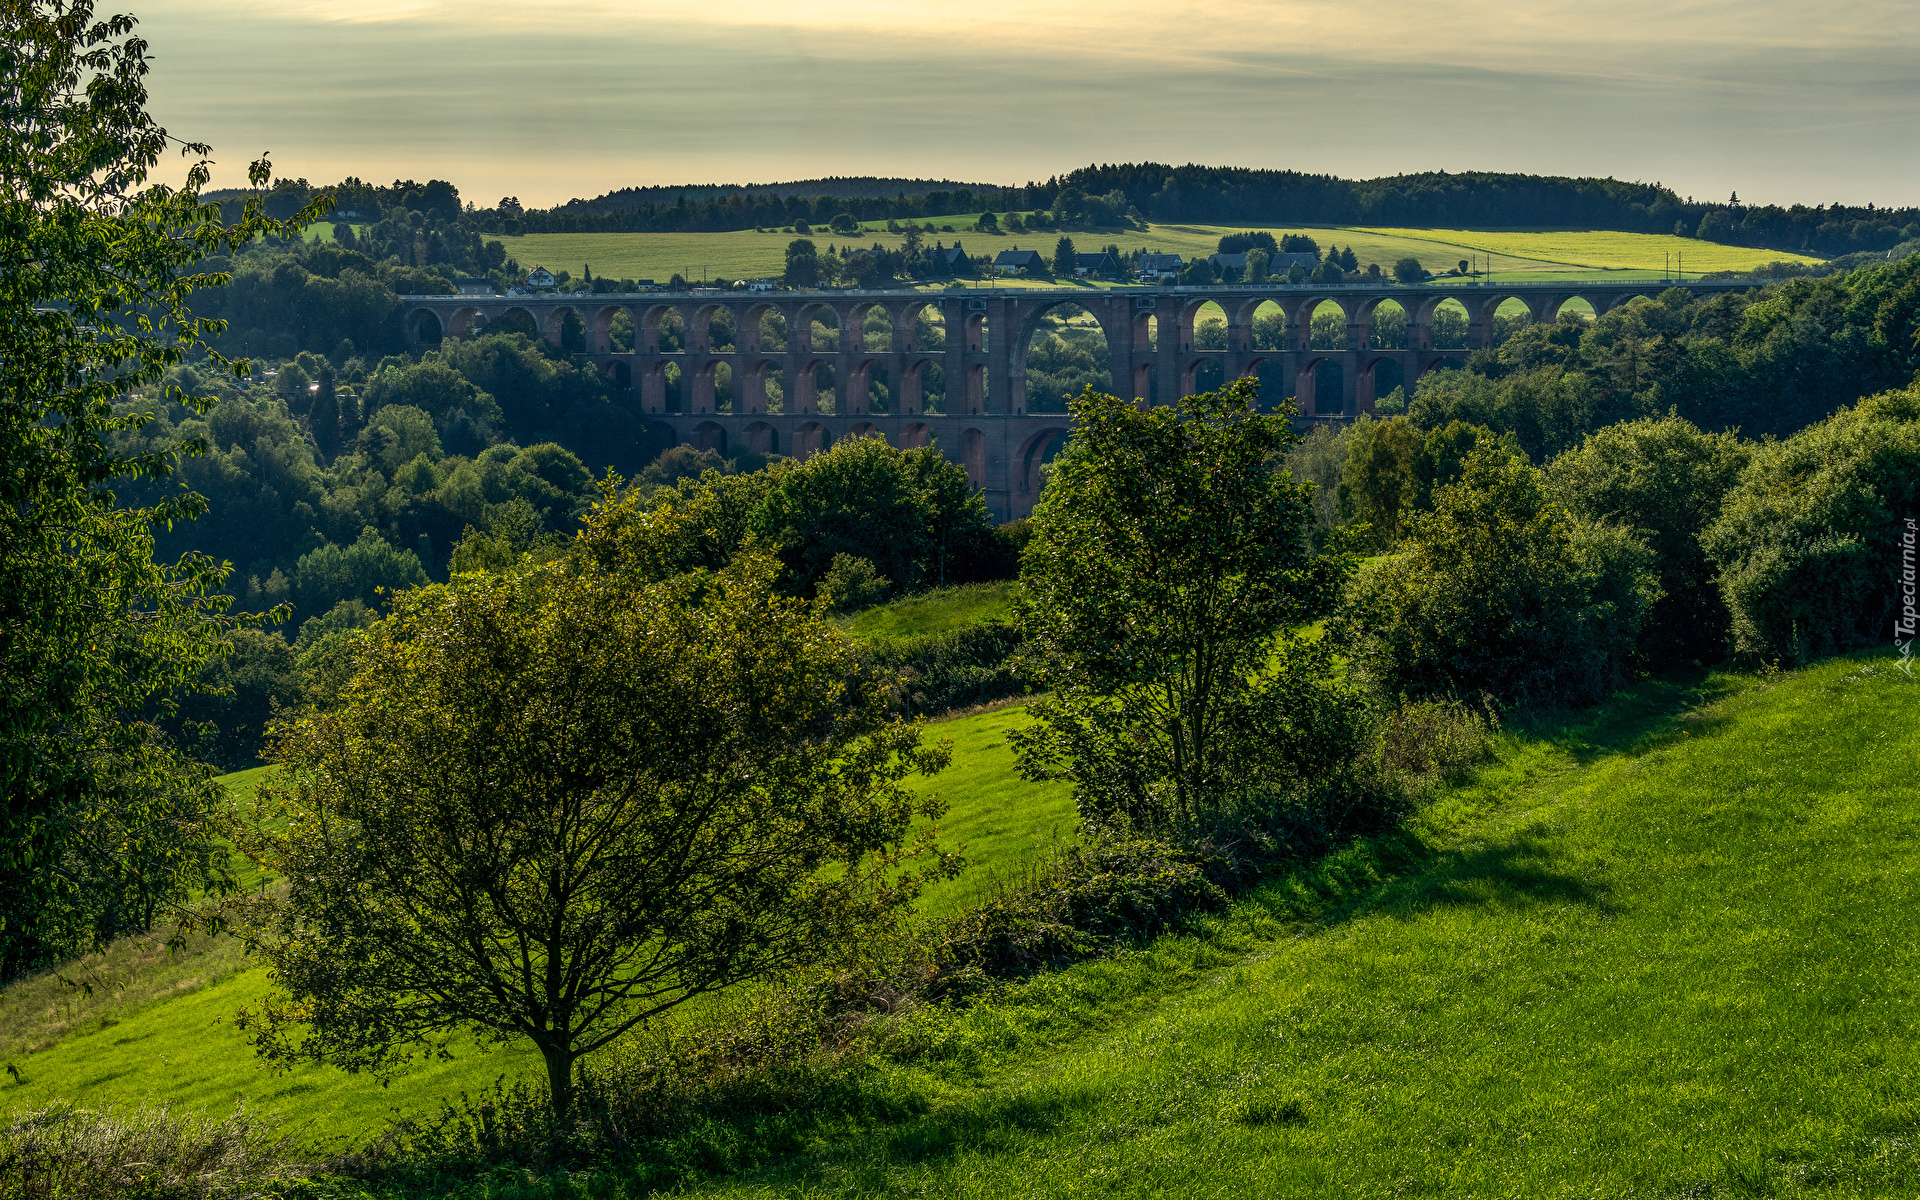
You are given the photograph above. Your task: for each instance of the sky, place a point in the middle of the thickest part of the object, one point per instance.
(1781, 102)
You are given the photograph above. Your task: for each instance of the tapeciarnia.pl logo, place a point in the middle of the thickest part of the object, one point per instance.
(1903, 625)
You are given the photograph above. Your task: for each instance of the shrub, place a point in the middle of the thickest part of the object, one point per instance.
(1500, 591)
(1665, 479)
(1808, 542)
(851, 582)
(946, 671)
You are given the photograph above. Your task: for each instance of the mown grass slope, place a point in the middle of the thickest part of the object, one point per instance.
(1607, 249)
(1662, 952)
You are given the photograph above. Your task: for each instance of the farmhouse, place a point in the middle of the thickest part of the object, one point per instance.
(1100, 265)
(1159, 265)
(1010, 261)
(541, 280)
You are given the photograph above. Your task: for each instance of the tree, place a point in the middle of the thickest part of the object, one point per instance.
(1169, 551)
(1065, 259)
(1257, 261)
(803, 264)
(1409, 270)
(102, 825)
(1668, 480)
(556, 803)
(899, 509)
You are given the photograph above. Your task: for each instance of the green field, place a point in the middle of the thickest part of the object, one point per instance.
(748, 255)
(1591, 248)
(1662, 952)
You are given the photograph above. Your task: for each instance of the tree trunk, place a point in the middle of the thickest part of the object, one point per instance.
(559, 1078)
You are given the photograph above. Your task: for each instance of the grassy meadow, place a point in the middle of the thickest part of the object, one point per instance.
(137, 1024)
(1655, 950)
(748, 254)
(942, 610)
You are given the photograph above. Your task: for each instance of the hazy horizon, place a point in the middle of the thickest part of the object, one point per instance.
(546, 105)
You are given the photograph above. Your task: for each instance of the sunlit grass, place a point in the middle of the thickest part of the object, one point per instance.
(1660, 951)
(941, 610)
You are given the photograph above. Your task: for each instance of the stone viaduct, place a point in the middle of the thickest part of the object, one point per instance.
(983, 422)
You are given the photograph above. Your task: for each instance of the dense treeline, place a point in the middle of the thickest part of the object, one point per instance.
(1165, 193)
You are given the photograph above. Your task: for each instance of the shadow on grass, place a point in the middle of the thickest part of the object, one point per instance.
(1401, 875)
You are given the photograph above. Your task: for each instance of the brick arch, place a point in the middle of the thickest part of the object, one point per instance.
(809, 439)
(600, 328)
(646, 330)
(1033, 456)
(556, 321)
(760, 438)
(916, 436)
(417, 327)
(747, 322)
(708, 435)
(1306, 383)
(866, 429)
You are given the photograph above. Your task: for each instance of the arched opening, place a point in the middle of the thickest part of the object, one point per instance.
(464, 323)
(1450, 323)
(1146, 331)
(821, 331)
(1577, 306)
(760, 438)
(809, 440)
(973, 326)
(866, 429)
(714, 331)
(1202, 375)
(425, 327)
(772, 325)
(622, 376)
(674, 387)
(1271, 375)
(976, 398)
(1387, 326)
(1269, 324)
(876, 329)
(1510, 318)
(659, 437)
(877, 387)
(973, 456)
(930, 339)
(916, 436)
(1381, 378)
(1065, 353)
(663, 330)
(1209, 327)
(602, 340)
(1327, 325)
(620, 332)
(813, 387)
(712, 387)
(709, 436)
(515, 320)
(1038, 451)
(753, 397)
(1318, 385)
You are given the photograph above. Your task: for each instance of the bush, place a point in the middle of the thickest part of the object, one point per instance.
(1500, 591)
(1808, 542)
(945, 671)
(851, 583)
(1665, 479)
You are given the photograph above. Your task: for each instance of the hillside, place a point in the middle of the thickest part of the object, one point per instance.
(154, 1027)
(1656, 949)
(1658, 952)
